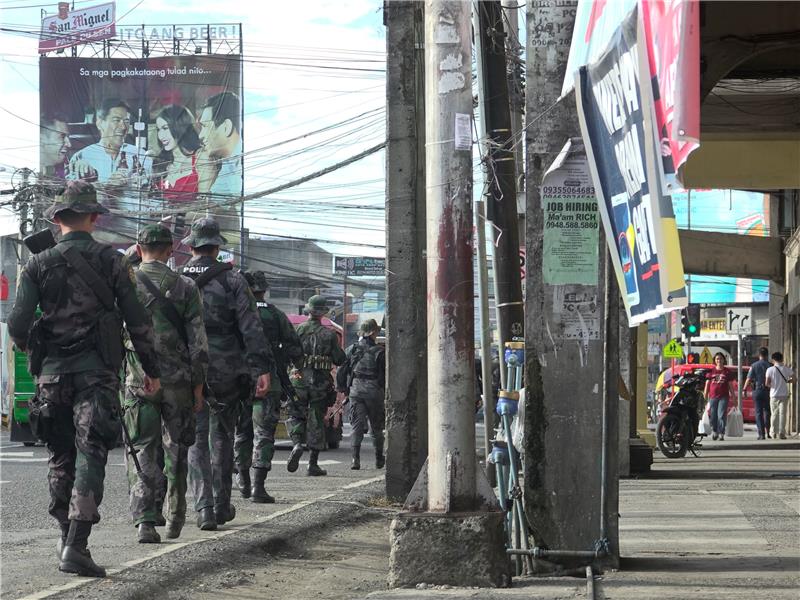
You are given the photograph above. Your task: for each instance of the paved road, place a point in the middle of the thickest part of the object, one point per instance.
(27, 553)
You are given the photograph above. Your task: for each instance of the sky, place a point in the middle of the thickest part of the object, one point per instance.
(307, 67)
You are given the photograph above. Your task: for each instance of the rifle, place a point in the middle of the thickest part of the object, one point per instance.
(132, 450)
(281, 367)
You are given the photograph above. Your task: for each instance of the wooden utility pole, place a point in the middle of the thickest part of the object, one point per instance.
(500, 171)
(406, 385)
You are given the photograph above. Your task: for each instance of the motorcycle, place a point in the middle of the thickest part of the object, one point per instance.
(677, 430)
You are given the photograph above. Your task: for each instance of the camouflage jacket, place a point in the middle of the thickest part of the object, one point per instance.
(179, 363)
(236, 343)
(321, 351)
(283, 338)
(368, 370)
(70, 309)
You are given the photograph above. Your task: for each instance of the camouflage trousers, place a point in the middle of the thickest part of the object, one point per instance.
(211, 456)
(255, 432)
(85, 411)
(306, 417)
(365, 409)
(162, 428)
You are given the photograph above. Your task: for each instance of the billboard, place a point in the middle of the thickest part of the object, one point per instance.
(69, 28)
(159, 137)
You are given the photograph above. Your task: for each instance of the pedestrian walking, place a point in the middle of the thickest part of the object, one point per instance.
(238, 355)
(718, 391)
(255, 431)
(313, 384)
(366, 383)
(778, 378)
(756, 378)
(75, 349)
(162, 425)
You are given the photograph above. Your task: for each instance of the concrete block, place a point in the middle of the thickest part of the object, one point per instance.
(462, 549)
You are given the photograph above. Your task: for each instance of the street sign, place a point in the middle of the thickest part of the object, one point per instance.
(672, 350)
(705, 356)
(359, 266)
(739, 321)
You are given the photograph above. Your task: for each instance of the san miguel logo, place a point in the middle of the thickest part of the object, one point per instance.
(68, 28)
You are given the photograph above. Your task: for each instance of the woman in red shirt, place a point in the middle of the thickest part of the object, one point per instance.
(174, 167)
(719, 390)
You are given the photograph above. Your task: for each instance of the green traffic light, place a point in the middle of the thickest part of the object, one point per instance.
(692, 329)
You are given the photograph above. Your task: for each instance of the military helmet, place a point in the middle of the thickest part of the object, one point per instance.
(369, 326)
(317, 305)
(205, 232)
(78, 196)
(155, 234)
(257, 280)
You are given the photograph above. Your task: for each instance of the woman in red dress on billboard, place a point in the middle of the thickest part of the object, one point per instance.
(175, 167)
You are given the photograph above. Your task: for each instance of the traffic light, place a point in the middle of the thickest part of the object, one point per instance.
(690, 320)
(693, 358)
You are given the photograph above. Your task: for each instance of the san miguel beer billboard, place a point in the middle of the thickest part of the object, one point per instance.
(71, 27)
(159, 137)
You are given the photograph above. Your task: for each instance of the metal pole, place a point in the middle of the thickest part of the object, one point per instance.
(486, 340)
(739, 371)
(241, 158)
(344, 314)
(451, 328)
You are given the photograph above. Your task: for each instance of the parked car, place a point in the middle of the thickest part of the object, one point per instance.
(665, 389)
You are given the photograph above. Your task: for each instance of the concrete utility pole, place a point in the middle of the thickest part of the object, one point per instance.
(457, 508)
(571, 479)
(406, 388)
(501, 202)
(516, 95)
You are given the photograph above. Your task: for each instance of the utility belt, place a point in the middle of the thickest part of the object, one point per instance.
(58, 351)
(221, 330)
(317, 361)
(365, 377)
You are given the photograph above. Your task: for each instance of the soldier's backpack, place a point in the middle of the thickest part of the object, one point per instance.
(166, 305)
(346, 372)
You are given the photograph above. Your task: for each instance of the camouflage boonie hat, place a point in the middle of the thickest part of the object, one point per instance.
(369, 326)
(205, 232)
(77, 196)
(257, 280)
(155, 234)
(317, 304)
(132, 255)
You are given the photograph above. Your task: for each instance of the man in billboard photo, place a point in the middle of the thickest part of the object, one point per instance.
(111, 160)
(54, 146)
(219, 169)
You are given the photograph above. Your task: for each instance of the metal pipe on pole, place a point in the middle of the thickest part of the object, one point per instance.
(739, 371)
(451, 371)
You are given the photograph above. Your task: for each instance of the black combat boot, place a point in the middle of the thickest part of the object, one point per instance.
(356, 458)
(294, 458)
(148, 534)
(76, 558)
(380, 459)
(258, 494)
(314, 470)
(224, 514)
(160, 520)
(243, 482)
(206, 519)
(62, 540)
(174, 528)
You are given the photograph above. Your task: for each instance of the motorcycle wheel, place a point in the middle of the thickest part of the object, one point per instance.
(671, 436)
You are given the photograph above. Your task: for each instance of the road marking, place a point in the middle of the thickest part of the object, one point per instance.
(274, 462)
(6, 459)
(172, 547)
(12, 454)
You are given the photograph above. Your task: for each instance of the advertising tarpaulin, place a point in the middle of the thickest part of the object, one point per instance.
(617, 125)
(159, 137)
(672, 40)
(71, 27)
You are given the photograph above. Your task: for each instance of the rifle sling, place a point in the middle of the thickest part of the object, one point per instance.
(88, 275)
(213, 271)
(166, 305)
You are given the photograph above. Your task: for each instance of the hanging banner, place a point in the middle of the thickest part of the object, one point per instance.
(672, 40)
(571, 220)
(159, 137)
(617, 124)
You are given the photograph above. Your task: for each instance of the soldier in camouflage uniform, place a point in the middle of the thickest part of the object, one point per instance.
(258, 425)
(238, 354)
(313, 385)
(76, 352)
(162, 426)
(366, 364)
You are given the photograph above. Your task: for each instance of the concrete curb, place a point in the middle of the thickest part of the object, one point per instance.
(181, 567)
